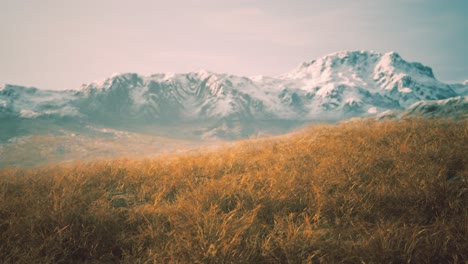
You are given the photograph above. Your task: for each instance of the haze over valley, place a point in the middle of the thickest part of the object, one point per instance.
(247, 131)
(153, 114)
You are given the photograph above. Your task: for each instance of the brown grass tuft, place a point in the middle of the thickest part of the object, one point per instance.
(361, 192)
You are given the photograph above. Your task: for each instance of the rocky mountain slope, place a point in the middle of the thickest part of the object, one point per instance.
(455, 107)
(335, 87)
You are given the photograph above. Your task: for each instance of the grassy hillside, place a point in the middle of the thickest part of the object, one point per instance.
(361, 192)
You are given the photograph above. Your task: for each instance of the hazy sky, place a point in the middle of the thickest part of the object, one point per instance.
(60, 44)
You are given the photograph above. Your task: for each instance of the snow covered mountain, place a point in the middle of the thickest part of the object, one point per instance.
(26, 102)
(331, 88)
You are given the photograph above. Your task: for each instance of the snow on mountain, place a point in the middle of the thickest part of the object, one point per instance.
(334, 87)
(28, 102)
(455, 107)
(363, 81)
(179, 97)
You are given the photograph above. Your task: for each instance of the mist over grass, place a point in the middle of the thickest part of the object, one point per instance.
(358, 192)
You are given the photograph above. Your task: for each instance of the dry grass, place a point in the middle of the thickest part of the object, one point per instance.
(362, 192)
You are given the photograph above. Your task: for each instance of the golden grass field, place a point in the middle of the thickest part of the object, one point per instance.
(357, 192)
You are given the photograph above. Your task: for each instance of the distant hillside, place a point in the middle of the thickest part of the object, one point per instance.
(455, 107)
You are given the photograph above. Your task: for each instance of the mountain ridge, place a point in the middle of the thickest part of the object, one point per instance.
(330, 88)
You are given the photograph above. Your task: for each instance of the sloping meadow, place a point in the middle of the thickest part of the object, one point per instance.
(357, 192)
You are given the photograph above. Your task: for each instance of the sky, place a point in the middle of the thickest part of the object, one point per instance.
(59, 44)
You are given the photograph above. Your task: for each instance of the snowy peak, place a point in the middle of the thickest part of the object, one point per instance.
(354, 73)
(357, 62)
(392, 69)
(333, 87)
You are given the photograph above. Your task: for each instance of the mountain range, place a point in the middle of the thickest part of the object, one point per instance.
(204, 104)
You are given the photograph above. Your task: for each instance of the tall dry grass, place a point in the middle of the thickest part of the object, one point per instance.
(361, 192)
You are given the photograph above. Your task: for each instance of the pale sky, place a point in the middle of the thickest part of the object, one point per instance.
(61, 44)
